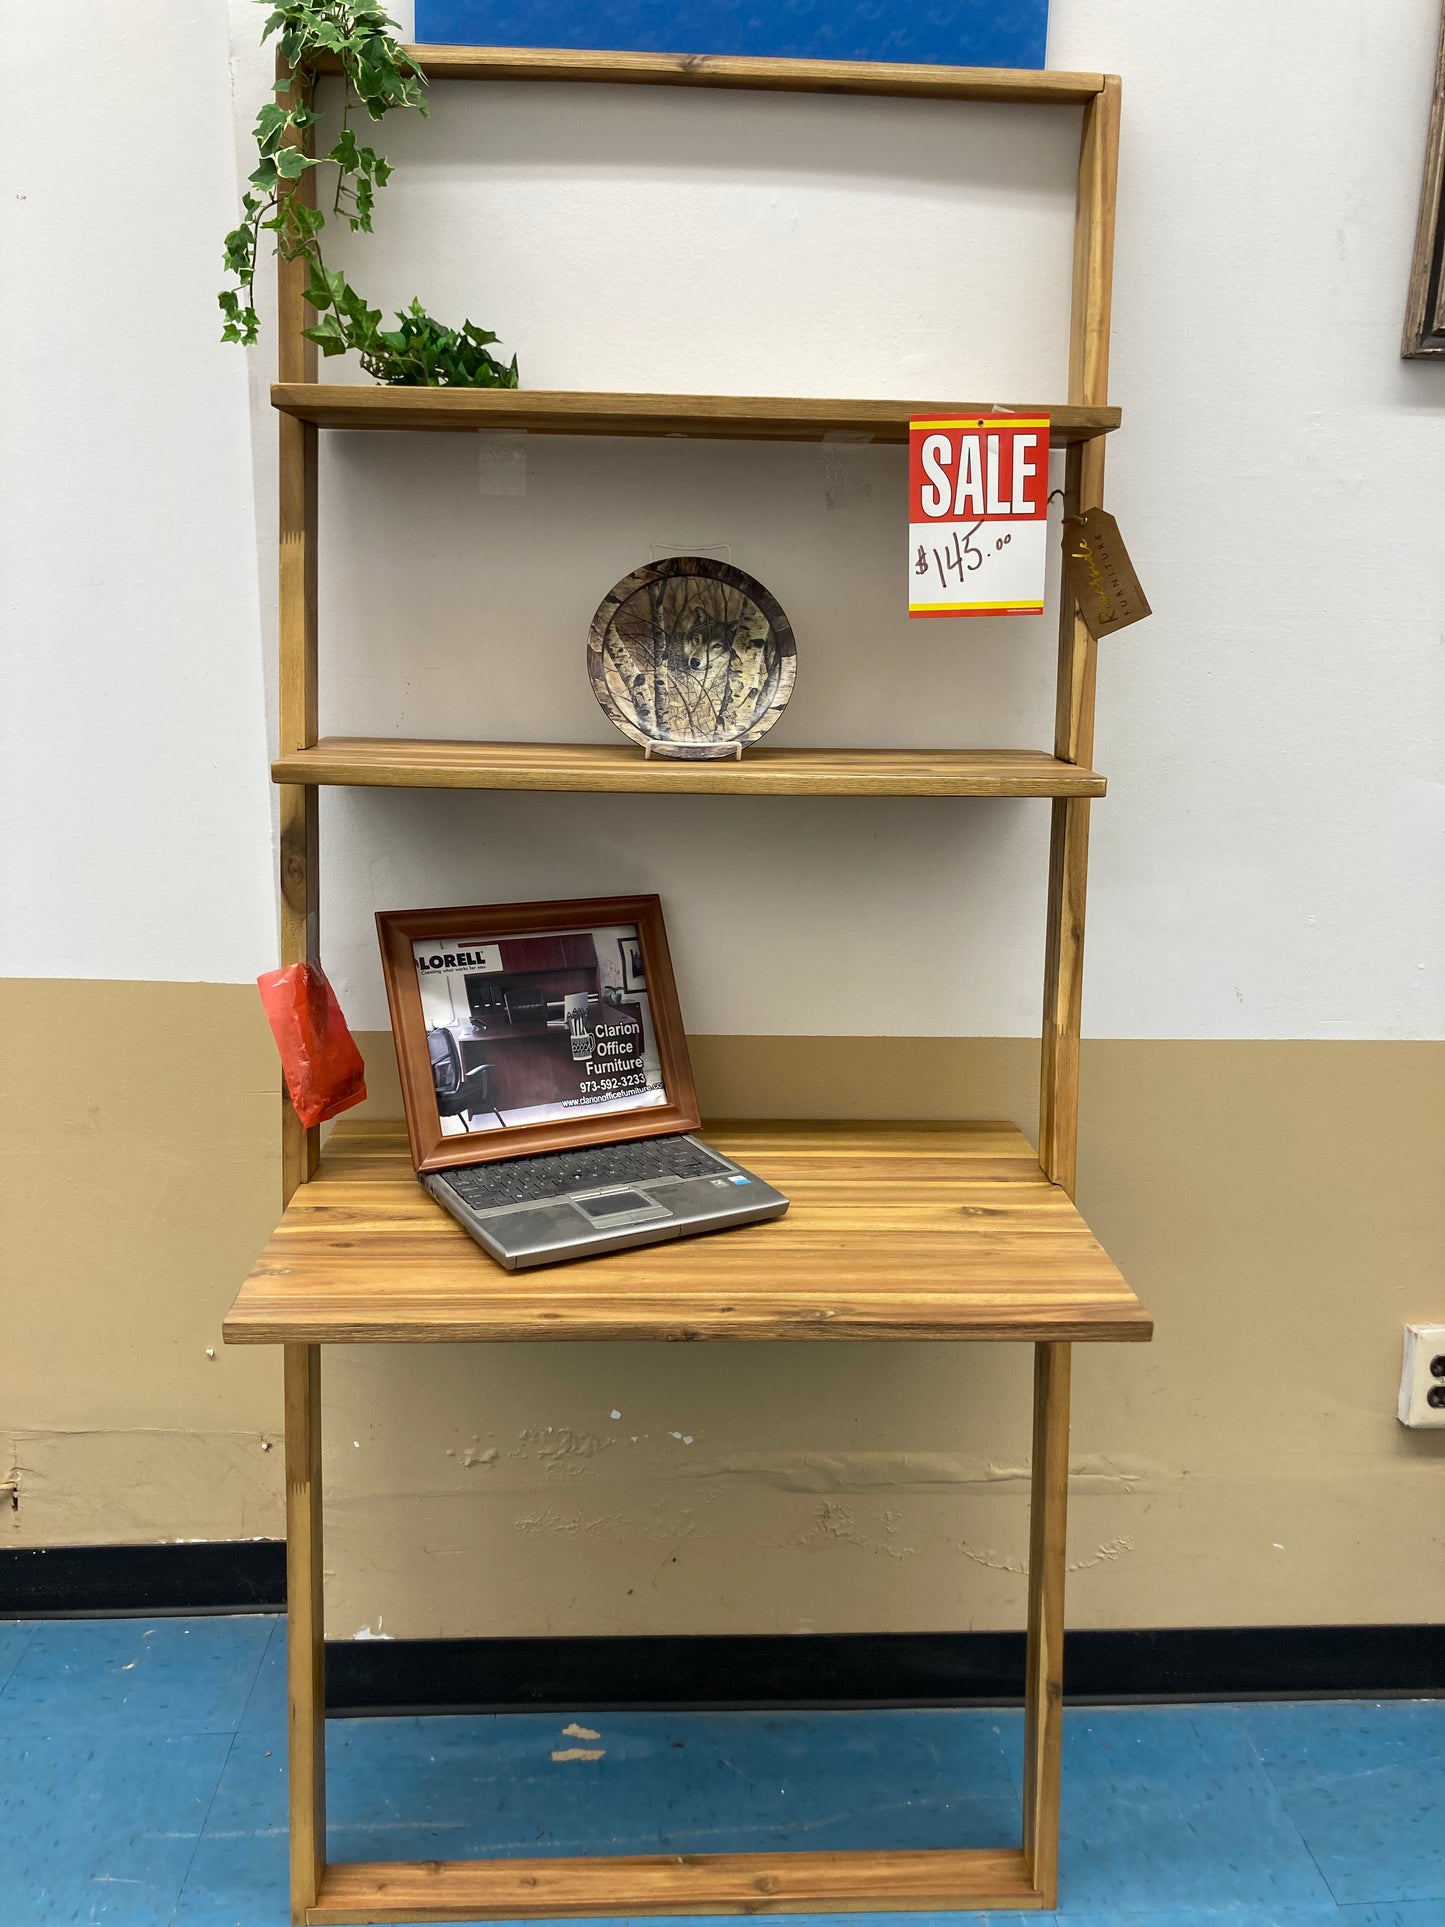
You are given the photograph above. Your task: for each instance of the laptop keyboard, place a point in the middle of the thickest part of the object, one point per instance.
(554, 1174)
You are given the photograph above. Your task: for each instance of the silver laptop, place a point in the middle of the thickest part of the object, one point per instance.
(579, 1204)
(523, 1027)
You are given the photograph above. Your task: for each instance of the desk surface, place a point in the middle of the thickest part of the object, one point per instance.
(897, 1231)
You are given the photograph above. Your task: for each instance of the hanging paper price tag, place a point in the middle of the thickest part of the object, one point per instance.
(1100, 573)
(978, 490)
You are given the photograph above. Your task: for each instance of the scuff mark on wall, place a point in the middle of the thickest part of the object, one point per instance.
(578, 1526)
(992, 1561)
(834, 1523)
(683, 1466)
(665, 1517)
(1103, 1554)
(1092, 1474)
(557, 1449)
(561, 1447)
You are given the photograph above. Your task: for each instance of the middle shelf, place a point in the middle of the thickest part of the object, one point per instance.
(384, 762)
(927, 1230)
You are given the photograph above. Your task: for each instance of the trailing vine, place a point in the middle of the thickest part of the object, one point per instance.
(379, 77)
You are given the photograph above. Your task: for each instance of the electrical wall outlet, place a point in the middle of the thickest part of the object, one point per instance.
(1422, 1383)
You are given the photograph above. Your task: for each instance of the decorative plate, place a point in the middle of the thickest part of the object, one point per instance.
(691, 657)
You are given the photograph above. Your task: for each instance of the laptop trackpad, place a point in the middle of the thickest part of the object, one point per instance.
(621, 1207)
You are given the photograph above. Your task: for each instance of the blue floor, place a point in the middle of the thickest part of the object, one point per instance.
(143, 1780)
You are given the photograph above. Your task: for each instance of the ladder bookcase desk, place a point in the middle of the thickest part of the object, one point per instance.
(951, 1231)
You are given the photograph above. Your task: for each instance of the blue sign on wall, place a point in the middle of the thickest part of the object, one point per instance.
(964, 33)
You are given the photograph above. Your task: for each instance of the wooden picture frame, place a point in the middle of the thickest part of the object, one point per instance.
(432, 1148)
(1425, 308)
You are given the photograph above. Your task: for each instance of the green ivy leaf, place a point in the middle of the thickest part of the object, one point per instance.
(345, 153)
(322, 288)
(291, 163)
(328, 336)
(271, 124)
(240, 252)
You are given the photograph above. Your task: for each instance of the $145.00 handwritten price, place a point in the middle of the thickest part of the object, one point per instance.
(960, 555)
(977, 514)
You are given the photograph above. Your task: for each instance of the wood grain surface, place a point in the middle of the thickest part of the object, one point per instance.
(407, 763)
(1425, 302)
(1044, 1667)
(296, 658)
(752, 73)
(1089, 332)
(305, 1626)
(928, 1231)
(543, 411)
(948, 1231)
(756, 1883)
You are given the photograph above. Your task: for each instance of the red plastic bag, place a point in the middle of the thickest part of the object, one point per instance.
(323, 1067)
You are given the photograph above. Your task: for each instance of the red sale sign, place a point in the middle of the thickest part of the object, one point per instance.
(978, 489)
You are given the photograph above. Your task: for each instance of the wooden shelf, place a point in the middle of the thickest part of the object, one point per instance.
(379, 762)
(918, 1231)
(921, 1231)
(939, 1880)
(753, 74)
(556, 411)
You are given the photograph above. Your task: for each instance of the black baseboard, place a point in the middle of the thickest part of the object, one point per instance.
(75, 1582)
(722, 1670)
(878, 1669)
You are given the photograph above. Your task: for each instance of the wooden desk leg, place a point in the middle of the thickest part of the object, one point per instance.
(1044, 1682)
(305, 1627)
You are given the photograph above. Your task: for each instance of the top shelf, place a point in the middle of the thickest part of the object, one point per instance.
(549, 411)
(889, 78)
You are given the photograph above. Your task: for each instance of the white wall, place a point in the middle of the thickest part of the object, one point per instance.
(1267, 863)
(132, 734)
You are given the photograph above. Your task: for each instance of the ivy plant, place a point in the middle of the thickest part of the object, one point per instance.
(379, 77)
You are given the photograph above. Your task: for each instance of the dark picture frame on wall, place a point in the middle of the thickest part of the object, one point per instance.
(528, 1027)
(634, 971)
(1425, 307)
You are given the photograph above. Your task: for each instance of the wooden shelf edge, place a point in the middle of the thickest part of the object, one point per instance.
(372, 762)
(1040, 86)
(760, 1883)
(565, 411)
(1122, 1328)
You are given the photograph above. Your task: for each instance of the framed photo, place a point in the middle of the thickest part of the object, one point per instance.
(634, 975)
(1425, 307)
(524, 1027)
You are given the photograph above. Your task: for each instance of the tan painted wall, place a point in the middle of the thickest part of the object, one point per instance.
(1277, 1205)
